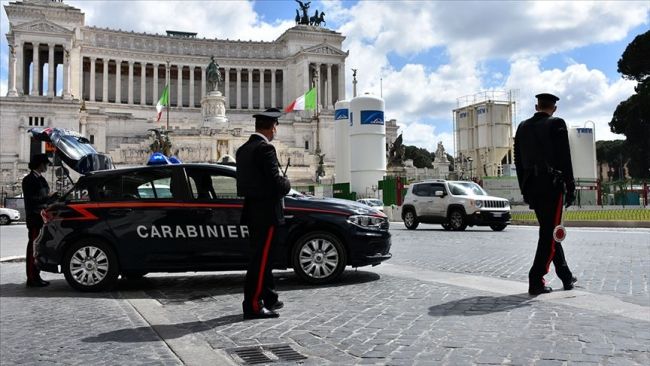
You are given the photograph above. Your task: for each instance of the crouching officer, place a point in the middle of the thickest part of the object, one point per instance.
(545, 175)
(36, 194)
(263, 187)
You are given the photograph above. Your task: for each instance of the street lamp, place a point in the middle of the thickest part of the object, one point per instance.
(470, 167)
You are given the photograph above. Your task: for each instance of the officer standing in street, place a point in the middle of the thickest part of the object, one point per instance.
(263, 187)
(545, 175)
(36, 194)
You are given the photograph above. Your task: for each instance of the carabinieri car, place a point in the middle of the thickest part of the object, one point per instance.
(185, 217)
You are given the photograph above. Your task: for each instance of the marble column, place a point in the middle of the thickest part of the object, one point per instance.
(203, 81)
(262, 89)
(66, 74)
(20, 68)
(329, 103)
(130, 88)
(105, 80)
(35, 73)
(285, 88)
(179, 83)
(250, 88)
(191, 86)
(91, 92)
(238, 87)
(51, 70)
(143, 83)
(118, 81)
(307, 81)
(12, 92)
(273, 87)
(226, 86)
(154, 89)
(319, 87)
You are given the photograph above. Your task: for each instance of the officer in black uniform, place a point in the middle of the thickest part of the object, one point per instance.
(545, 175)
(263, 187)
(36, 194)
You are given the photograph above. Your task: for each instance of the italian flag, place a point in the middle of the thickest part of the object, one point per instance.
(304, 102)
(163, 102)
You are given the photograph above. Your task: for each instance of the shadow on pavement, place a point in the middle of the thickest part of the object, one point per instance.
(481, 305)
(178, 287)
(167, 331)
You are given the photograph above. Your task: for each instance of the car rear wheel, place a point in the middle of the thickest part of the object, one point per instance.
(457, 220)
(90, 265)
(5, 220)
(498, 227)
(318, 257)
(411, 220)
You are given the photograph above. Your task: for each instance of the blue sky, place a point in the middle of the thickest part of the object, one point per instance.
(430, 53)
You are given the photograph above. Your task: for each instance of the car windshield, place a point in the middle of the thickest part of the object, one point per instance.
(373, 203)
(466, 189)
(294, 193)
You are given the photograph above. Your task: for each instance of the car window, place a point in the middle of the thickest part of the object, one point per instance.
(437, 187)
(466, 189)
(421, 190)
(148, 184)
(78, 193)
(208, 185)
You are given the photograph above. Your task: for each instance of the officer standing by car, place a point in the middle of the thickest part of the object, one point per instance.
(545, 175)
(263, 187)
(36, 193)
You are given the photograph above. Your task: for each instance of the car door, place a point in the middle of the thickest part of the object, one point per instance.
(144, 208)
(422, 199)
(438, 205)
(223, 241)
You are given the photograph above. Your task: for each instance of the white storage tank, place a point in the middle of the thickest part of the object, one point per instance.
(582, 143)
(342, 141)
(367, 143)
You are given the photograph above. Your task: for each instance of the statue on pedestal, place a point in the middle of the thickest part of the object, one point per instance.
(396, 153)
(213, 75)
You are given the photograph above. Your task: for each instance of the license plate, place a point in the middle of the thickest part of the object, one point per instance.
(497, 214)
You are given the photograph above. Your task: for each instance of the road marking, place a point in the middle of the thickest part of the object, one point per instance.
(191, 350)
(578, 299)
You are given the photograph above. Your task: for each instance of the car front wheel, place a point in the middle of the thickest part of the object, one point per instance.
(90, 265)
(446, 226)
(410, 220)
(498, 227)
(457, 220)
(318, 257)
(5, 220)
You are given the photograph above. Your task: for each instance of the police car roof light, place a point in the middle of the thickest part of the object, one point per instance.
(158, 159)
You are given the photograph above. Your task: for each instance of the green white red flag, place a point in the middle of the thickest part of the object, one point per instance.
(163, 102)
(304, 102)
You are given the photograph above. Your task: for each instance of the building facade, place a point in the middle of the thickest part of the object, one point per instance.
(105, 84)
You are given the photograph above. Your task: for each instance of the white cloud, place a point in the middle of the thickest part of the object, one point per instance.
(585, 94)
(424, 135)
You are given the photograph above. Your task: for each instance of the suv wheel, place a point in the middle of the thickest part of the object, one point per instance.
(318, 257)
(498, 227)
(446, 226)
(410, 220)
(457, 220)
(90, 265)
(5, 220)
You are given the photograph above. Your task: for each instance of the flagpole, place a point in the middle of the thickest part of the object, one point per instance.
(169, 99)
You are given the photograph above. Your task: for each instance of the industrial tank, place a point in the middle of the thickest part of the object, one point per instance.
(582, 143)
(367, 143)
(342, 140)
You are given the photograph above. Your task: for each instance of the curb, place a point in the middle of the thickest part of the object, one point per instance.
(617, 224)
(12, 259)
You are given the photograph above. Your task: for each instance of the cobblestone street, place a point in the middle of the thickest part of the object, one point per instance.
(444, 299)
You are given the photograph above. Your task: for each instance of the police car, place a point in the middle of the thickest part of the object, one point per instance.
(186, 217)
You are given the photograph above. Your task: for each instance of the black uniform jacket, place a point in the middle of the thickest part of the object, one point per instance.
(36, 193)
(260, 183)
(542, 145)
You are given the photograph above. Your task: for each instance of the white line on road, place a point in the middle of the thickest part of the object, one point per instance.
(578, 299)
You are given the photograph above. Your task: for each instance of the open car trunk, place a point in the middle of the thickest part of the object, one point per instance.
(74, 149)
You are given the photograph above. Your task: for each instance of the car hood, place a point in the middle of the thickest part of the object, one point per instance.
(483, 198)
(74, 149)
(333, 204)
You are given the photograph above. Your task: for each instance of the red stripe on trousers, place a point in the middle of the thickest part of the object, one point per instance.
(260, 279)
(556, 222)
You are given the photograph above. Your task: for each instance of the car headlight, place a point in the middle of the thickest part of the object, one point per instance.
(368, 222)
(478, 203)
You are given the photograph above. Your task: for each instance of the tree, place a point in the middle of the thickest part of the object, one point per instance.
(421, 157)
(614, 154)
(632, 116)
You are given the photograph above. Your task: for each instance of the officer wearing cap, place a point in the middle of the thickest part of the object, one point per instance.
(36, 194)
(263, 187)
(545, 175)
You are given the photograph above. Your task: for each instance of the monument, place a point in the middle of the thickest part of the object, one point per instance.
(213, 105)
(441, 162)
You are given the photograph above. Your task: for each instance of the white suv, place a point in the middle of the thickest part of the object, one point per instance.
(455, 205)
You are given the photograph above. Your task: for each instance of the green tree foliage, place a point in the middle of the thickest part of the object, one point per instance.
(614, 154)
(421, 157)
(632, 116)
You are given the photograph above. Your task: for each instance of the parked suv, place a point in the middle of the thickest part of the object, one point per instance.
(455, 205)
